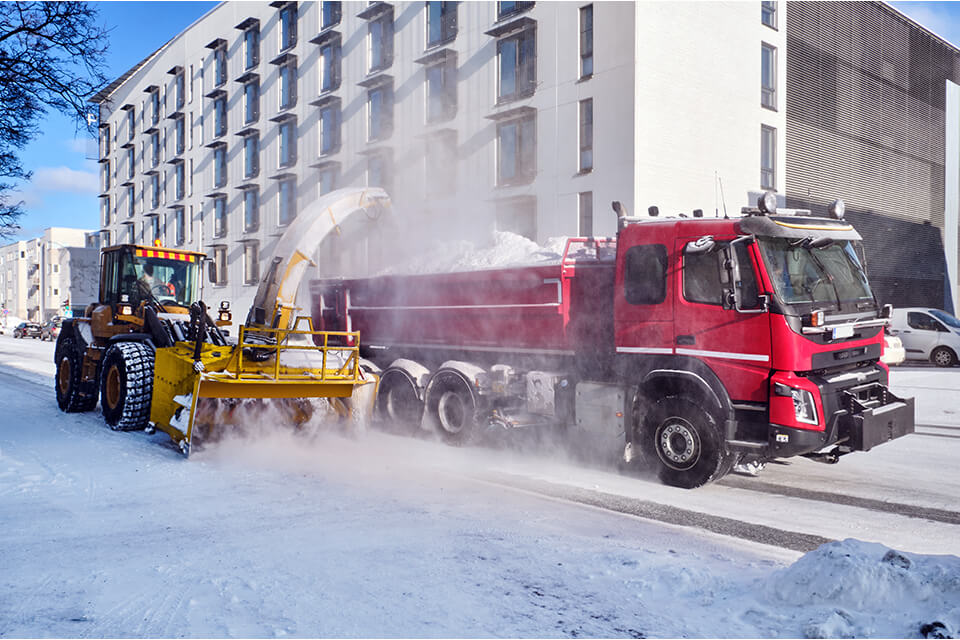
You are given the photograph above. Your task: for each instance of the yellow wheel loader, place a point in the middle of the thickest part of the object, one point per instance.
(150, 352)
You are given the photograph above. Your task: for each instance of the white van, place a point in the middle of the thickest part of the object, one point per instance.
(927, 334)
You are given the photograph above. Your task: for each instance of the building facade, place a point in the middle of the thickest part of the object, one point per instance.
(517, 116)
(48, 276)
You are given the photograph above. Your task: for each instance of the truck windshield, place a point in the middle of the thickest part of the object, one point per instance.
(802, 273)
(168, 280)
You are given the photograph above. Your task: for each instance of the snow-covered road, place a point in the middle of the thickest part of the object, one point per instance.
(115, 534)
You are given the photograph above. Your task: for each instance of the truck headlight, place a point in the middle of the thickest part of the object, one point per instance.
(803, 405)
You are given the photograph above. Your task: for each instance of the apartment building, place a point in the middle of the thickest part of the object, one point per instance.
(54, 274)
(474, 116)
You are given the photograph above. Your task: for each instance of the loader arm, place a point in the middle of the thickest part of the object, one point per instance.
(343, 211)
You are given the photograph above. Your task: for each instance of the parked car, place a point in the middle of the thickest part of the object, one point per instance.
(27, 330)
(51, 329)
(927, 334)
(893, 351)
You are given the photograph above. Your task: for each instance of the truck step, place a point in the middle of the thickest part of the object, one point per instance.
(752, 445)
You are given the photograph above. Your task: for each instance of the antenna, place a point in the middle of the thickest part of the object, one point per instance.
(716, 198)
(723, 200)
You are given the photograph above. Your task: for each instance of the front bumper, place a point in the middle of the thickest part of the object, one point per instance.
(862, 418)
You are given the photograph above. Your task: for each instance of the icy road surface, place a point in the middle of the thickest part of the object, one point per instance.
(115, 534)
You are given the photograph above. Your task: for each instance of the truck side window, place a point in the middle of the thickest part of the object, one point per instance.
(749, 291)
(645, 274)
(701, 278)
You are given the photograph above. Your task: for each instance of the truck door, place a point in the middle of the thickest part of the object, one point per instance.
(734, 343)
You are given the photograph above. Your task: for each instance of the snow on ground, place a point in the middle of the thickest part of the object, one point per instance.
(115, 534)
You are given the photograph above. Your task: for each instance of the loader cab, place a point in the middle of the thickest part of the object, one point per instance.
(131, 275)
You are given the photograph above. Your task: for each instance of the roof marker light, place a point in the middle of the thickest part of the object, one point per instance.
(767, 203)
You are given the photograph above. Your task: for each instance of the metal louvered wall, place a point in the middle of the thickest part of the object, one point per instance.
(865, 122)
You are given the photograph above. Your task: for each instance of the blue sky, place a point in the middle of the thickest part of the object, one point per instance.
(65, 183)
(64, 189)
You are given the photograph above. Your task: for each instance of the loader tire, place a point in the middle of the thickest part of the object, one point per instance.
(683, 442)
(72, 394)
(126, 386)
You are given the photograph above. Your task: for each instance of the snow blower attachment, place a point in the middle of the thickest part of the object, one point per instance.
(157, 360)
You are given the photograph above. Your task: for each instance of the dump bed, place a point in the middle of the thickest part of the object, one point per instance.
(565, 306)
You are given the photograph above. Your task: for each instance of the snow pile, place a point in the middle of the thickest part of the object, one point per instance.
(502, 249)
(861, 589)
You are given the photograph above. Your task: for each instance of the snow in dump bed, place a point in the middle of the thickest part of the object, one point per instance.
(502, 249)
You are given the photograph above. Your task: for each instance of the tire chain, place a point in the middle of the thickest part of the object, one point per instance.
(138, 362)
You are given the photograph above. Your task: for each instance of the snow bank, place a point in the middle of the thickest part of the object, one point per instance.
(502, 249)
(853, 588)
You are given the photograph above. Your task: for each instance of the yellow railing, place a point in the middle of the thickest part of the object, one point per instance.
(348, 371)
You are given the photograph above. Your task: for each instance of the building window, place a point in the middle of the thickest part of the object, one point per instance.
(330, 65)
(179, 226)
(330, 129)
(768, 76)
(251, 209)
(251, 156)
(155, 149)
(517, 57)
(131, 123)
(220, 66)
(190, 179)
(441, 22)
(442, 91)
(585, 214)
(131, 201)
(380, 113)
(251, 101)
(381, 42)
(179, 181)
(768, 13)
(768, 157)
(327, 180)
(507, 9)
(220, 116)
(179, 90)
(128, 232)
(441, 163)
(517, 151)
(104, 141)
(131, 162)
(287, 195)
(105, 211)
(288, 142)
(379, 172)
(180, 134)
(105, 176)
(220, 265)
(154, 191)
(220, 165)
(251, 262)
(219, 216)
(586, 41)
(330, 14)
(288, 85)
(288, 26)
(251, 47)
(586, 136)
(517, 215)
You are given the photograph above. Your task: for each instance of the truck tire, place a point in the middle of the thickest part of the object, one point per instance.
(453, 407)
(126, 386)
(398, 402)
(72, 394)
(683, 441)
(943, 357)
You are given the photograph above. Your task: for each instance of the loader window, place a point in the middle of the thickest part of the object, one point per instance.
(645, 274)
(168, 280)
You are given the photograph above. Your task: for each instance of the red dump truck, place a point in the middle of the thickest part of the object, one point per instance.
(690, 344)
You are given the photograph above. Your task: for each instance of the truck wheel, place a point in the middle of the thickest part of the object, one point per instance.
(126, 385)
(943, 357)
(683, 441)
(72, 394)
(452, 405)
(398, 402)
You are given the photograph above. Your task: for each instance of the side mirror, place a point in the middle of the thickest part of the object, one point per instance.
(705, 244)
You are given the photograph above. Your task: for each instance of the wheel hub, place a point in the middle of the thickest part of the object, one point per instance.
(452, 412)
(63, 375)
(113, 387)
(678, 444)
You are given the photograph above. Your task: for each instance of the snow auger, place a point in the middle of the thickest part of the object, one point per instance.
(157, 360)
